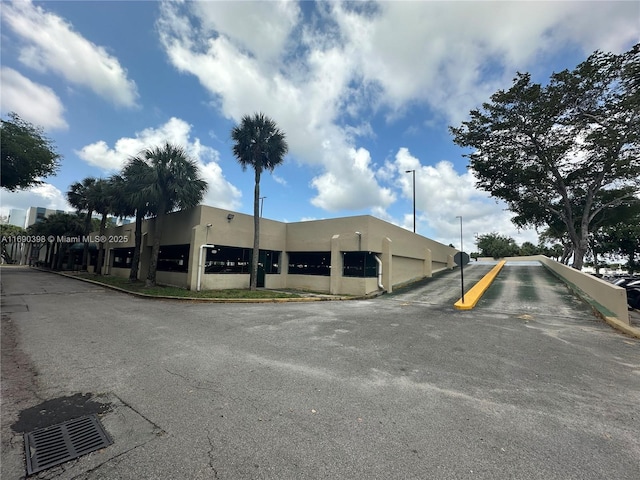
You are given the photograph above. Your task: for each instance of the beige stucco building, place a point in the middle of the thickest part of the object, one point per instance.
(210, 248)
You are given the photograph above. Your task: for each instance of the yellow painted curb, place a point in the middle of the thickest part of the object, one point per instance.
(472, 297)
(623, 327)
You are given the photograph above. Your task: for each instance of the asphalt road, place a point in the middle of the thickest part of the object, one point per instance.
(402, 386)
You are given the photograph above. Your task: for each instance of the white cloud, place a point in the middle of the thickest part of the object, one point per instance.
(32, 101)
(304, 100)
(355, 58)
(44, 195)
(444, 52)
(442, 194)
(351, 185)
(175, 130)
(220, 193)
(262, 28)
(49, 44)
(279, 180)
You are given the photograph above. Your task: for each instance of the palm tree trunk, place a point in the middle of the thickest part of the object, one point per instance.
(52, 255)
(85, 251)
(133, 273)
(253, 282)
(155, 251)
(103, 223)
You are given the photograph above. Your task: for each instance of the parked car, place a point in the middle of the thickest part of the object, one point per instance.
(632, 286)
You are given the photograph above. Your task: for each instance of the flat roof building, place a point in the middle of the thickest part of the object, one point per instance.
(210, 248)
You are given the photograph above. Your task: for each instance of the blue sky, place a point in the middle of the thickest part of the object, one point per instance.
(363, 91)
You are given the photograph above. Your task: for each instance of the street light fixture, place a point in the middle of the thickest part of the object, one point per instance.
(414, 198)
(261, 204)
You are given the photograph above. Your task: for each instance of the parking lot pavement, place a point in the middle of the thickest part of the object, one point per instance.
(360, 389)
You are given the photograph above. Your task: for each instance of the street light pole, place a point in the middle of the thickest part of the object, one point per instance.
(461, 259)
(414, 198)
(261, 204)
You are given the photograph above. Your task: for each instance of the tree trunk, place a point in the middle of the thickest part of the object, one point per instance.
(582, 246)
(155, 251)
(85, 250)
(46, 254)
(253, 283)
(103, 223)
(49, 260)
(62, 249)
(631, 263)
(133, 273)
(567, 250)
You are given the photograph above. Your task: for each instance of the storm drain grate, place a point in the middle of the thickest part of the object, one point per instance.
(60, 443)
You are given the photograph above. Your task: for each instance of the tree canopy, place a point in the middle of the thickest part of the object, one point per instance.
(27, 154)
(564, 152)
(497, 246)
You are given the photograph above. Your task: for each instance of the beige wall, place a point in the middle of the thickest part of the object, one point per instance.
(406, 269)
(175, 279)
(212, 281)
(404, 254)
(313, 283)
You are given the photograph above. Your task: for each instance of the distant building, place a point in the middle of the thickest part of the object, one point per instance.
(38, 214)
(17, 217)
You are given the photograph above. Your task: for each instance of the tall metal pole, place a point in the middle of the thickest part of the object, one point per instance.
(414, 198)
(461, 259)
(261, 204)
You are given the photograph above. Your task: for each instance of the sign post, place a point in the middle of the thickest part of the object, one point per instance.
(461, 259)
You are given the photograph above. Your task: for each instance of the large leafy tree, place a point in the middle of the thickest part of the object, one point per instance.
(261, 145)
(549, 151)
(81, 196)
(8, 248)
(171, 182)
(497, 246)
(27, 154)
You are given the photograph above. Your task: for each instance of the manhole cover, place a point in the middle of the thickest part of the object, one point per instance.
(50, 446)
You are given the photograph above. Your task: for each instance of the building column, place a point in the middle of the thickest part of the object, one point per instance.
(284, 268)
(336, 266)
(387, 264)
(198, 234)
(427, 271)
(450, 262)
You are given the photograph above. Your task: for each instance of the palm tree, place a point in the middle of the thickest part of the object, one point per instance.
(262, 146)
(57, 225)
(172, 182)
(101, 197)
(130, 200)
(80, 197)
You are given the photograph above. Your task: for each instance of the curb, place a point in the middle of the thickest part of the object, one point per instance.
(623, 327)
(476, 292)
(213, 300)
